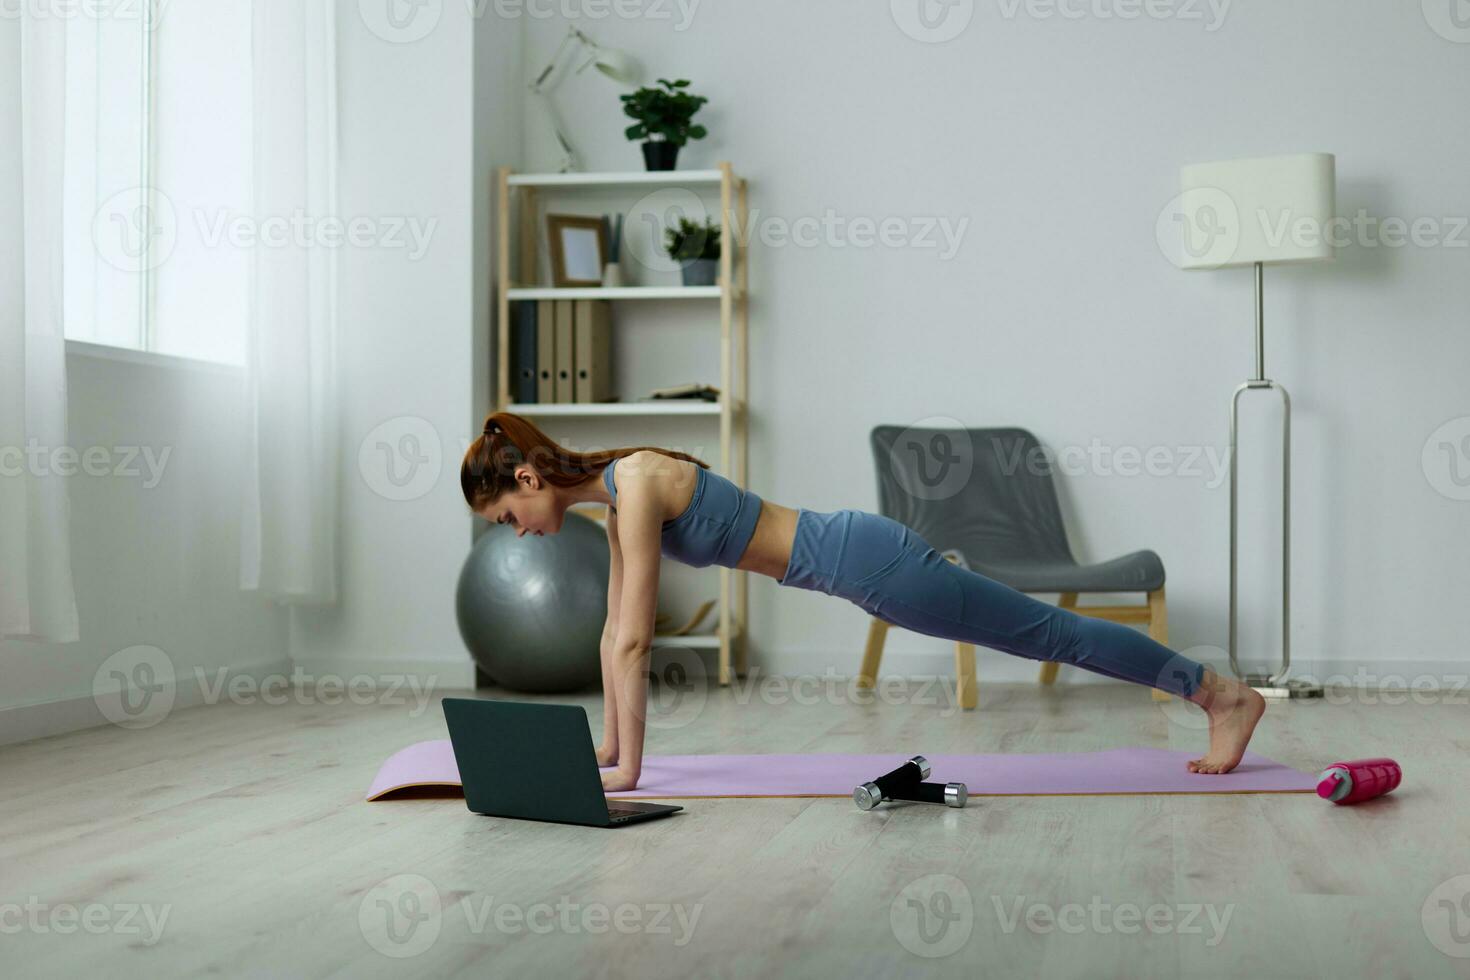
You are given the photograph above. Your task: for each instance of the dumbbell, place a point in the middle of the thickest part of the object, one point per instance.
(950, 794)
(904, 778)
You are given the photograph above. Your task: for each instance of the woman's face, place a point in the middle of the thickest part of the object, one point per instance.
(528, 510)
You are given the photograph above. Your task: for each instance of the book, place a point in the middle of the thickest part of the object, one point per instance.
(705, 392)
(523, 352)
(545, 351)
(593, 350)
(565, 362)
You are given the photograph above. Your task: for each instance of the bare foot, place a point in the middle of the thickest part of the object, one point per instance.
(619, 781)
(606, 757)
(1234, 710)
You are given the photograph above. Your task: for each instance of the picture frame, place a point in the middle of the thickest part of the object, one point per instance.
(578, 246)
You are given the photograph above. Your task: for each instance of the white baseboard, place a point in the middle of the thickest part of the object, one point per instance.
(990, 666)
(1000, 668)
(25, 722)
(427, 677)
(426, 673)
(412, 679)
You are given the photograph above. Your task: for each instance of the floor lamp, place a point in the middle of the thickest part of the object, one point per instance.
(1253, 213)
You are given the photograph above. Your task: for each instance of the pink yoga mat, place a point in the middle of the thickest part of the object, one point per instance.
(1132, 770)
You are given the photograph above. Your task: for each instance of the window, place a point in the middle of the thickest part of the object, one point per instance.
(158, 177)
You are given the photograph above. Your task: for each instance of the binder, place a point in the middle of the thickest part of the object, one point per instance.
(593, 350)
(523, 353)
(565, 362)
(545, 351)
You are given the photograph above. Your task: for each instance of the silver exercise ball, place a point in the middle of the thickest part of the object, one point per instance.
(531, 610)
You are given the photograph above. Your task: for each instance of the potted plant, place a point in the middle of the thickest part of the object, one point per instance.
(696, 246)
(664, 120)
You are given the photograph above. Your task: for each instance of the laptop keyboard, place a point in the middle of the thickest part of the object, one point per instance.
(623, 811)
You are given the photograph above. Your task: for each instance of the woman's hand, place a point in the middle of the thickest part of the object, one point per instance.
(607, 756)
(619, 780)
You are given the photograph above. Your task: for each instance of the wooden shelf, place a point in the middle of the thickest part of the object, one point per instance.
(698, 641)
(661, 407)
(613, 292)
(519, 247)
(667, 178)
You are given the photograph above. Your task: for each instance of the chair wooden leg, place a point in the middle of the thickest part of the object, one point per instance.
(1158, 628)
(964, 672)
(868, 675)
(1049, 668)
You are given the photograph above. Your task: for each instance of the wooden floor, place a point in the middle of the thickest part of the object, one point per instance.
(244, 825)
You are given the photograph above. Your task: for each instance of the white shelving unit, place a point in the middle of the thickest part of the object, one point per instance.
(671, 407)
(614, 292)
(696, 641)
(658, 178)
(516, 199)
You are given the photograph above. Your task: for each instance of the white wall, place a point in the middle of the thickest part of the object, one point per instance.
(161, 567)
(407, 349)
(155, 542)
(1059, 141)
(498, 143)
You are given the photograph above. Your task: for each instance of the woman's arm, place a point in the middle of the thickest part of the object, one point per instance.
(640, 525)
(607, 752)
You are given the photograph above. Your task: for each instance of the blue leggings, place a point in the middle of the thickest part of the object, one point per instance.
(895, 575)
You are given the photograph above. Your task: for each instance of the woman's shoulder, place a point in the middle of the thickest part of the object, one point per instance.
(651, 462)
(659, 466)
(650, 471)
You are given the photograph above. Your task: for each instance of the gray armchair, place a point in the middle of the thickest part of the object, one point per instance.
(984, 498)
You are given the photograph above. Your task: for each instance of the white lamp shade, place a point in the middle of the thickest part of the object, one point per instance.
(1268, 209)
(617, 65)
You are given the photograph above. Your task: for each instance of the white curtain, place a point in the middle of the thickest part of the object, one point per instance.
(37, 600)
(289, 535)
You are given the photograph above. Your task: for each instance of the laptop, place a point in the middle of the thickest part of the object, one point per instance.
(535, 762)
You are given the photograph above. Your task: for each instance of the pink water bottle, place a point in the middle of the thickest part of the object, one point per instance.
(1354, 782)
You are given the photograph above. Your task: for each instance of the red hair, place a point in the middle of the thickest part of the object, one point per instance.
(508, 440)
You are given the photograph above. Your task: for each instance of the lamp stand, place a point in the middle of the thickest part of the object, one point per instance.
(568, 162)
(1277, 684)
(547, 81)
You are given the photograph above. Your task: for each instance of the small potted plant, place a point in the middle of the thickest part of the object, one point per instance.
(696, 246)
(664, 120)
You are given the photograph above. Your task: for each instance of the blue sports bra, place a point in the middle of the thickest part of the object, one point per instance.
(716, 526)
